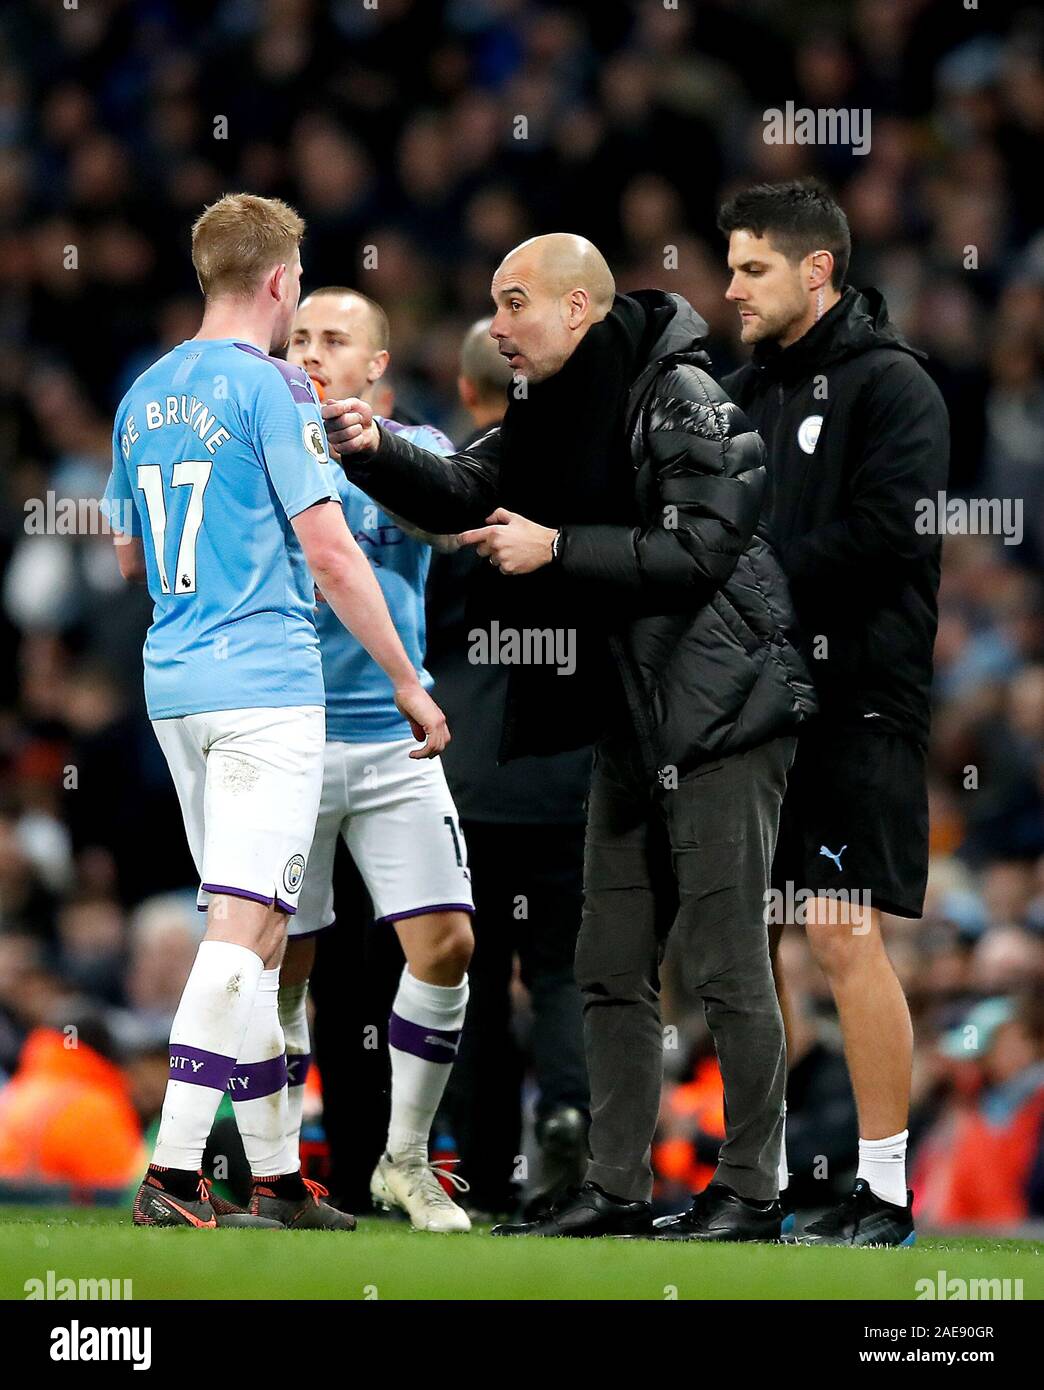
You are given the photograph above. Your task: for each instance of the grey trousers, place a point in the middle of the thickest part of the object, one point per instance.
(693, 862)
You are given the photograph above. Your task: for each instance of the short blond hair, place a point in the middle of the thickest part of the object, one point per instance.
(236, 240)
(380, 328)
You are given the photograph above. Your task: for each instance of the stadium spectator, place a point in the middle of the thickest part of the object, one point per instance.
(66, 1116)
(977, 1162)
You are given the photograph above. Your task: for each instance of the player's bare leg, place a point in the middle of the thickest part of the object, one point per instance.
(877, 1032)
(875, 1018)
(209, 1029)
(423, 1032)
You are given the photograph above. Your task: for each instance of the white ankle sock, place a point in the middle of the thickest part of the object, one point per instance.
(784, 1175)
(205, 1039)
(882, 1162)
(258, 1086)
(423, 1033)
(293, 1015)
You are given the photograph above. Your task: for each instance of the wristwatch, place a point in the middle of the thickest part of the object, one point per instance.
(554, 546)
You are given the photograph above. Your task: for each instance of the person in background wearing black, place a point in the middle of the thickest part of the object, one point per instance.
(618, 508)
(857, 438)
(523, 824)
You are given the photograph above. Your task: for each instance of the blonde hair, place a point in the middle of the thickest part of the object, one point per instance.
(380, 329)
(240, 237)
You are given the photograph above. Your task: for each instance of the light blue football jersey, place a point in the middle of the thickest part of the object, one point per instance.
(359, 703)
(215, 448)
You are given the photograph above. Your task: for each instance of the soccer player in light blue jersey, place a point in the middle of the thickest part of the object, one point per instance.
(396, 815)
(220, 493)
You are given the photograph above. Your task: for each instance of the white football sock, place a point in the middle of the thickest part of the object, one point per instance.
(258, 1086)
(293, 1015)
(423, 1033)
(882, 1162)
(784, 1175)
(205, 1039)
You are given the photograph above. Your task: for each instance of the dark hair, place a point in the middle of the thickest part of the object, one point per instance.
(798, 217)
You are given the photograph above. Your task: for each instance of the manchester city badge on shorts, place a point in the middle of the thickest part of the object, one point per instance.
(294, 873)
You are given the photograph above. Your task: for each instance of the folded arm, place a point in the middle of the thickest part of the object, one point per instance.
(709, 465)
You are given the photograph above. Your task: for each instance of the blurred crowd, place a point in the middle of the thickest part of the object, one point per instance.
(421, 140)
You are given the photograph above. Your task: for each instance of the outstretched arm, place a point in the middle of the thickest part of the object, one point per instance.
(439, 493)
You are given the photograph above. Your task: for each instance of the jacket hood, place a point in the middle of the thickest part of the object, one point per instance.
(857, 323)
(672, 326)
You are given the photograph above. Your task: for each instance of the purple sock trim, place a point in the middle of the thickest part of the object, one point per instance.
(420, 911)
(244, 893)
(201, 1068)
(297, 1064)
(430, 1044)
(252, 1080)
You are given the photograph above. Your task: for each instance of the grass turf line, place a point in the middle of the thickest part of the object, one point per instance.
(388, 1261)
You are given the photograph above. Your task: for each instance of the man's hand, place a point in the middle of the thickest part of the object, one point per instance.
(350, 427)
(427, 721)
(512, 542)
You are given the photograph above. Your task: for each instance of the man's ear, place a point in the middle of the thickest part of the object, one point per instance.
(466, 391)
(277, 280)
(579, 300)
(378, 365)
(820, 269)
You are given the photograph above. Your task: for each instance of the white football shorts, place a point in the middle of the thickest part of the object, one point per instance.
(397, 817)
(249, 782)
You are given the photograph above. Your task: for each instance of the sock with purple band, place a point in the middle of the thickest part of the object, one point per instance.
(258, 1089)
(423, 1033)
(205, 1038)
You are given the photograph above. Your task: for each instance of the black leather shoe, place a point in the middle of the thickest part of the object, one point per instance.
(718, 1213)
(562, 1137)
(587, 1211)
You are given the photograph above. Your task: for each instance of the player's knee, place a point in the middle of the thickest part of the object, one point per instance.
(450, 944)
(840, 940)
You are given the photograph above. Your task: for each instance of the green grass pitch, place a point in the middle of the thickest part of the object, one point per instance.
(386, 1260)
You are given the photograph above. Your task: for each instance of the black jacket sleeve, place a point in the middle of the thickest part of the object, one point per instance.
(708, 467)
(902, 426)
(441, 493)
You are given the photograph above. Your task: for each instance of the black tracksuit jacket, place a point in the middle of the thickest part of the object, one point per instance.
(842, 509)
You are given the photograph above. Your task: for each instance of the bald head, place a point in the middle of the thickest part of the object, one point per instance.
(548, 292)
(565, 262)
(484, 376)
